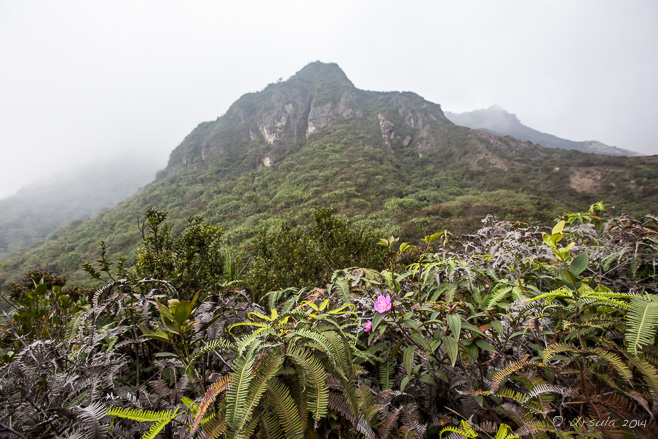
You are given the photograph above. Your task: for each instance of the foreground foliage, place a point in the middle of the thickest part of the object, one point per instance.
(510, 332)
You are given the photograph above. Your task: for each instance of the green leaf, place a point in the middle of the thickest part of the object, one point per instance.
(498, 326)
(569, 278)
(404, 383)
(408, 358)
(451, 348)
(376, 321)
(558, 227)
(455, 323)
(485, 345)
(182, 311)
(165, 354)
(579, 264)
(158, 334)
(641, 322)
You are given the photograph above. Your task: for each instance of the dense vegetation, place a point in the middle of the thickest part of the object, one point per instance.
(388, 161)
(513, 331)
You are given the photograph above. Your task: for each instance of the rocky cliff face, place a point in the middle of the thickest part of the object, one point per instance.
(317, 98)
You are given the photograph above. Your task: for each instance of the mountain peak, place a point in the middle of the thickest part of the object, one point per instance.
(318, 70)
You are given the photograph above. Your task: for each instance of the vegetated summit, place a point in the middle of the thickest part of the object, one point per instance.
(390, 160)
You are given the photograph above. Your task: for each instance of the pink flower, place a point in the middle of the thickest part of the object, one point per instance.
(383, 304)
(367, 326)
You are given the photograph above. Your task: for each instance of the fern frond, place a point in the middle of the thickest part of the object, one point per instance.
(492, 299)
(464, 429)
(269, 427)
(642, 321)
(519, 397)
(389, 421)
(386, 372)
(500, 375)
(285, 408)
(614, 360)
(139, 415)
(649, 373)
(215, 389)
(238, 390)
(158, 426)
(554, 349)
(327, 347)
(561, 293)
(549, 388)
(505, 432)
(216, 425)
(340, 405)
(319, 393)
(266, 369)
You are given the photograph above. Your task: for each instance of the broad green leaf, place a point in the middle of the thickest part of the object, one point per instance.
(579, 264)
(558, 227)
(482, 344)
(451, 348)
(498, 326)
(408, 358)
(404, 383)
(419, 339)
(455, 323)
(376, 321)
(182, 311)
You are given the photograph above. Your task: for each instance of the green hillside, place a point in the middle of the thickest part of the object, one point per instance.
(391, 161)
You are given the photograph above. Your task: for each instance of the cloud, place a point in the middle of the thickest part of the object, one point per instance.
(90, 79)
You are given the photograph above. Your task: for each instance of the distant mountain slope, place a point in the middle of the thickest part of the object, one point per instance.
(40, 208)
(390, 160)
(498, 121)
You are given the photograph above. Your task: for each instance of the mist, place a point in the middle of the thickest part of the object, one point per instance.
(84, 82)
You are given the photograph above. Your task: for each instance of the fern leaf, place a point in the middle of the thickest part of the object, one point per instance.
(323, 343)
(270, 428)
(158, 426)
(548, 353)
(614, 360)
(642, 321)
(211, 394)
(284, 405)
(548, 388)
(340, 405)
(266, 369)
(238, 389)
(464, 429)
(499, 376)
(519, 397)
(139, 415)
(319, 393)
(390, 419)
(505, 432)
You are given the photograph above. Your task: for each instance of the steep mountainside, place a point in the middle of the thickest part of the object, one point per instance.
(392, 161)
(498, 121)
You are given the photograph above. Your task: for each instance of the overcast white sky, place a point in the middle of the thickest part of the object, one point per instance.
(82, 80)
